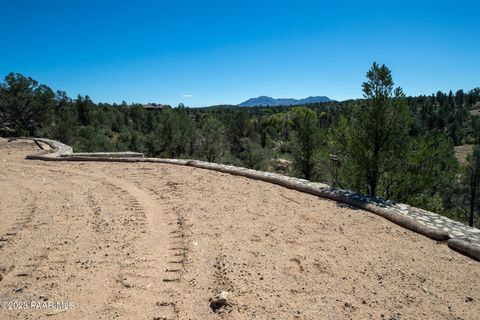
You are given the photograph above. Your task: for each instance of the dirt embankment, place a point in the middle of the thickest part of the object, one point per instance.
(151, 241)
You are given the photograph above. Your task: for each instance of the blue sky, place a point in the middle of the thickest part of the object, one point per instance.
(213, 52)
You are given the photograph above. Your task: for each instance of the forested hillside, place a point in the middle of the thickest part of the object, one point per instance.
(386, 145)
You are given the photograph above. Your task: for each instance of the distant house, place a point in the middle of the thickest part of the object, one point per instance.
(155, 106)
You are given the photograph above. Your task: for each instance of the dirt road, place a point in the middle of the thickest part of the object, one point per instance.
(152, 241)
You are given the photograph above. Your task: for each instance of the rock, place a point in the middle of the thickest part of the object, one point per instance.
(219, 301)
(125, 283)
(4, 270)
(55, 312)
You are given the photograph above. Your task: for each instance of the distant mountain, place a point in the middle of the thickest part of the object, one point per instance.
(269, 101)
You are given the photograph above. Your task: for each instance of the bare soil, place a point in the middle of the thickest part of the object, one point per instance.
(151, 241)
(462, 152)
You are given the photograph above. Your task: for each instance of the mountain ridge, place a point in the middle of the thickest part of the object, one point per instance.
(273, 102)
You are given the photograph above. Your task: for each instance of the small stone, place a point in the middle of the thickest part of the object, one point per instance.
(468, 299)
(219, 301)
(457, 234)
(125, 283)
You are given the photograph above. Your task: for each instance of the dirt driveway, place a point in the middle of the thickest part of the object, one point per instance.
(154, 241)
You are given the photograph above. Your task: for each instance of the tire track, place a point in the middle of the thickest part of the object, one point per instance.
(145, 279)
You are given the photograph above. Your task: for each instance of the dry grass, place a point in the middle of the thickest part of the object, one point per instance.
(462, 153)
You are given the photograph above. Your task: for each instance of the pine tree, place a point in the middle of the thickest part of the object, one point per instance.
(371, 138)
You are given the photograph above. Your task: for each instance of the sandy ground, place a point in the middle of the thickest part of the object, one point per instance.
(463, 152)
(150, 241)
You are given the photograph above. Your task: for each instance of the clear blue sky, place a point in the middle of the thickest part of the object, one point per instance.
(212, 52)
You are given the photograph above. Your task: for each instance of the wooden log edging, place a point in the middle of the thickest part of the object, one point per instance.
(343, 196)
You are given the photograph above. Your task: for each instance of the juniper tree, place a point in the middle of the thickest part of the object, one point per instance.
(306, 140)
